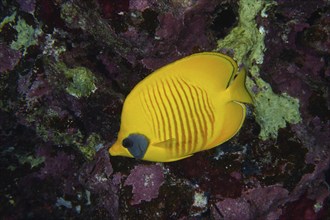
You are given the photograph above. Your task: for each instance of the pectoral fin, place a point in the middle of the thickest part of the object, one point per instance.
(166, 144)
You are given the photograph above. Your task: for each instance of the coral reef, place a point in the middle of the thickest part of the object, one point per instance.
(10, 58)
(81, 80)
(146, 181)
(27, 6)
(272, 111)
(66, 67)
(26, 35)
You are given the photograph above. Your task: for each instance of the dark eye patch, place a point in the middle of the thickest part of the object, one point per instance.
(127, 143)
(136, 144)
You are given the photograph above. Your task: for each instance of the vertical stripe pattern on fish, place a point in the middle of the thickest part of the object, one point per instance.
(188, 106)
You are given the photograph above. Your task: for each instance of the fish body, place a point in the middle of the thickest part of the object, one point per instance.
(190, 105)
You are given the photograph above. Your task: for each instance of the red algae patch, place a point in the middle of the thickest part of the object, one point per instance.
(146, 181)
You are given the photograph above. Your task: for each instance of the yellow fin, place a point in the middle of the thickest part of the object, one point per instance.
(167, 143)
(172, 142)
(231, 124)
(179, 158)
(238, 89)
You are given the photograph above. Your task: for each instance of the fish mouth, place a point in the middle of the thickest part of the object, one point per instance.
(117, 150)
(113, 151)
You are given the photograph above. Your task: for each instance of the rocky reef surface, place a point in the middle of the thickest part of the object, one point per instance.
(67, 66)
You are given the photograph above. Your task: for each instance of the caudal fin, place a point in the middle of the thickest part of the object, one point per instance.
(238, 89)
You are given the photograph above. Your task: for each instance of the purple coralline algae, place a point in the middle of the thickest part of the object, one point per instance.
(139, 5)
(145, 181)
(97, 176)
(9, 58)
(27, 5)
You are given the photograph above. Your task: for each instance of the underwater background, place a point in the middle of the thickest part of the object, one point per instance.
(67, 66)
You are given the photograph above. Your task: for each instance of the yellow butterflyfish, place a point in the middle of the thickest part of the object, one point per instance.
(190, 105)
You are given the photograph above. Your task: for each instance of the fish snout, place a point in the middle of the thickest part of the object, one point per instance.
(118, 150)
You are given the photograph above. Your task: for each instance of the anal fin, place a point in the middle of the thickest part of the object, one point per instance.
(234, 118)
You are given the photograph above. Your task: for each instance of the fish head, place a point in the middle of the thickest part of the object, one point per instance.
(134, 145)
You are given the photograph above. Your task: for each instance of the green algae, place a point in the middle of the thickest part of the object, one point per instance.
(75, 139)
(82, 84)
(246, 40)
(52, 46)
(31, 160)
(272, 111)
(69, 13)
(82, 80)
(7, 20)
(60, 138)
(57, 129)
(89, 149)
(26, 36)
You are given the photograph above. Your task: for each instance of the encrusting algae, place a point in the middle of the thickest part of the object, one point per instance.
(272, 111)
